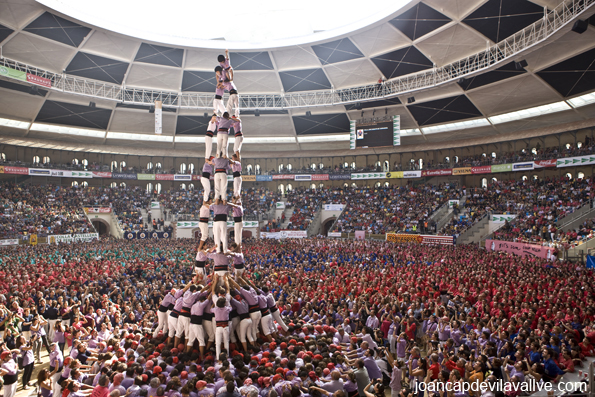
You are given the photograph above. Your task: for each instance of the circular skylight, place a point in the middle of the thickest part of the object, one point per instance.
(234, 24)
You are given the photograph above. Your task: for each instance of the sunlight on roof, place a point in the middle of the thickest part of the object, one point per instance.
(233, 24)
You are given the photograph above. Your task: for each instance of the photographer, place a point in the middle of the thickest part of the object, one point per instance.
(377, 389)
(26, 351)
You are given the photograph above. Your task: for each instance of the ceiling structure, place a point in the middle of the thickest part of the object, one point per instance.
(427, 33)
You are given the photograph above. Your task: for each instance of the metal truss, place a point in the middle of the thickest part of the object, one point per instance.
(535, 34)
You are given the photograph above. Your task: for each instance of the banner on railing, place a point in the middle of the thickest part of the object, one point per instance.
(283, 234)
(501, 218)
(280, 205)
(7, 242)
(419, 239)
(145, 177)
(121, 175)
(101, 174)
(282, 176)
(98, 210)
(24, 76)
(369, 175)
(334, 234)
(298, 178)
(339, 177)
(261, 178)
(521, 249)
(145, 235)
(575, 161)
(320, 177)
(230, 224)
(444, 172)
(545, 163)
(182, 177)
(248, 178)
(484, 169)
(164, 177)
(462, 171)
(333, 207)
(501, 168)
(526, 166)
(411, 174)
(40, 172)
(155, 205)
(72, 238)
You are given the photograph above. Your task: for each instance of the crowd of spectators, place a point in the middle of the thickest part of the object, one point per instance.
(362, 318)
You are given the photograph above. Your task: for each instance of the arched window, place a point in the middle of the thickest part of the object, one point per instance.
(123, 185)
(378, 184)
(46, 160)
(320, 166)
(313, 186)
(158, 187)
(346, 165)
(353, 184)
(257, 169)
(289, 167)
(75, 162)
(456, 159)
(149, 187)
(377, 165)
(249, 169)
(289, 187)
(149, 165)
(580, 175)
(183, 186)
(313, 166)
(493, 155)
(321, 186)
(113, 185)
(74, 184)
(568, 146)
(421, 164)
(122, 166)
(386, 166)
(281, 188)
(191, 186)
(84, 184)
(579, 145)
(158, 166)
(534, 151)
(484, 182)
(36, 160)
(114, 166)
(85, 163)
(353, 165)
(523, 151)
(183, 168)
(483, 155)
(568, 176)
(494, 180)
(3, 156)
(191, 168)
(535, 178)
(524, 177)
(281, 167)
(447, 159)
(345, 185)
(386, 184)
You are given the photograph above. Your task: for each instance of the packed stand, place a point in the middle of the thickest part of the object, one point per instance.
(42, 210)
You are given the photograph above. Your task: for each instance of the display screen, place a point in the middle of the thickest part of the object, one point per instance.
(374, 134)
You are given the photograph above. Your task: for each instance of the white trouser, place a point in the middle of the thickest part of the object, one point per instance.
(218, 106)
(237, 186)
(221, 185)
(183, 326)
(235, 322)
(256, 316)
(268, 326)
(238, 273)
(207, 326)
(233, 105)
(392, 340)
(208, 146)
(56, 389)
(206, 185)
(222, 138)
(221, 336)
(277, 316)
(172, 323)
(52, 331)
(220, 231)
(162, 316)
(244, 332)
(237, 232)
(237, 143)
(196, 333)
(204, 230)
(27, 335)
(10, 390)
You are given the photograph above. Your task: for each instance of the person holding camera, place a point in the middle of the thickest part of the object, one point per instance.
(26, 350)
(374, 389)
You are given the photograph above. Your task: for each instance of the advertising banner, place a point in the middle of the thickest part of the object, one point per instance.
(263, 178)
(283, 176)
(485, 169)
(16, 170)
(521, 249)
(501, 218)
(369, 175)
(98, 210)
(419, 239)
(158, 117)
(572, 161)
(411, 174)
(395, 175)
(360, 235)
(120, 175)
(62, 173)
(24, 76)
(145, 177)
(444, 172)
(183, 177)
(333, 207)
(33, 239)
(452, 203)
(334, 234)
(164, 177)
(230, 224)
(154, 204)
(86, 174)
(12, 241)
(397, 130)
(339, 177)
(302, 177)
(1, 169)
(275, 235)
(40, 172)
(280, 205)
(545, 163)
(70, 238)
(144, 235)
(501, 168)
(101, 174)
(283, 234)
(320, 177)
(526, 166)
(248, 178)
(462, 171)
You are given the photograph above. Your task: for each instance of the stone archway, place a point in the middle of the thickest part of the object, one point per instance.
(326, 225)
(102, 226)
